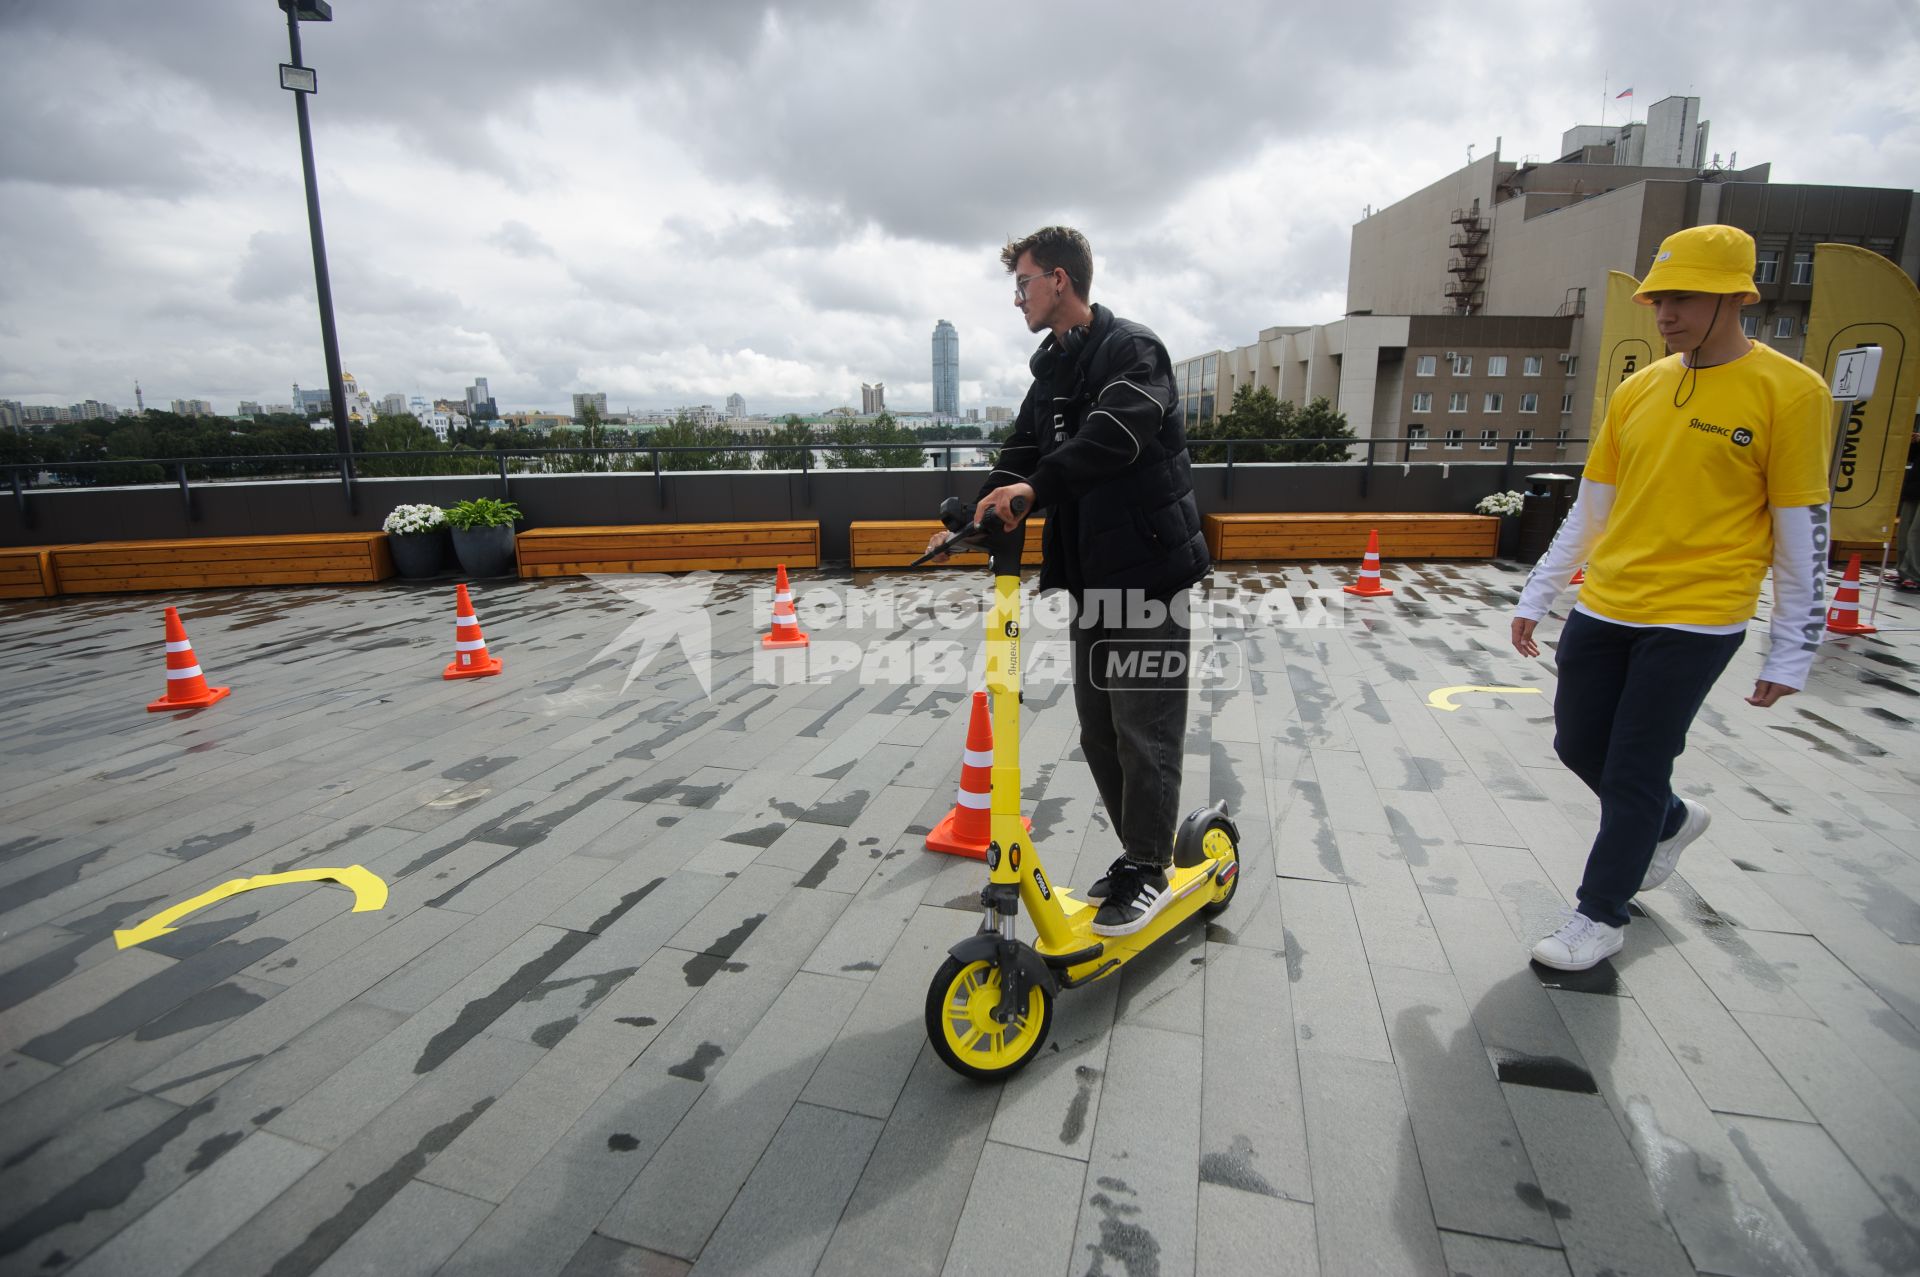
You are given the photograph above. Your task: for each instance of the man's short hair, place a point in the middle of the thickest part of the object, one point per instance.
(1055, 248)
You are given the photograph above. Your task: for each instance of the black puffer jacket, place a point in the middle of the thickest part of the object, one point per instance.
(1100, 438)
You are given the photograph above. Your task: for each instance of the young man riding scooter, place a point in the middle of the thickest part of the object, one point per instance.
(1100, 449)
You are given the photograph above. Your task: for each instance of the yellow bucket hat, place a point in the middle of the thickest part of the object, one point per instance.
(1702, 259)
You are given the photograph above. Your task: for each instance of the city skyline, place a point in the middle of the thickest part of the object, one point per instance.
(157, 231)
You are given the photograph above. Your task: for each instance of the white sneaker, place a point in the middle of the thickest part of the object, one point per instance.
(1579, 943)
(1666, 853)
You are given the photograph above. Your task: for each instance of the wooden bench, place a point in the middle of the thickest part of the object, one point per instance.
(26, 572)
(321, 558)
(897, 542)
(667, 547)
(1344, 536)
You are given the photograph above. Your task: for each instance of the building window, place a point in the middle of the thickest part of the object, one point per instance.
(1489, 440)
(1416, 438)
(1529, 403)
(1783, 326)
(1496, 365)
(1530, 366)
(1494, 400)
(1766, 267)
(1453, 440)
(1522, 440)
(1802, 268)
(1566, 406)
(1573, 364)
(1463, 365)
(1424, 366)
(1750, 325)
(1457, 401)
(1423, 401)
(1560, 438)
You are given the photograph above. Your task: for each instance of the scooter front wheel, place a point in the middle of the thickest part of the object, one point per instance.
(961, 1003)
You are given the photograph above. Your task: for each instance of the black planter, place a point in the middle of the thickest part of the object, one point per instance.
(1509, 547)
(420, 554)
(485, 551)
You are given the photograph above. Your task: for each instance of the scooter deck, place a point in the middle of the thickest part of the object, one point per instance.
(1190, 887)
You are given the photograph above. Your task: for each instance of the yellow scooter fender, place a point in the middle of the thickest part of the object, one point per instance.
(985, 947)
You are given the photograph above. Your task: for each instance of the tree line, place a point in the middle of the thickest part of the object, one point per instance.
(264, 447)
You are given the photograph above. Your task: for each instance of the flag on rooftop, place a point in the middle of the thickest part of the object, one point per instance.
(1624, 93)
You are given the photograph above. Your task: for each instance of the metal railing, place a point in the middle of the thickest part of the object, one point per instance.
(503, 464)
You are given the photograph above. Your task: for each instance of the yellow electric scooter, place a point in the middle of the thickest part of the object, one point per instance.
(990, 1005)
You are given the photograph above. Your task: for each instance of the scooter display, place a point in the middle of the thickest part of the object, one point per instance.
(990, 1006)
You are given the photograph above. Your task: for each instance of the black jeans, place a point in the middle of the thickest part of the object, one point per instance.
(1621, 712)
(1130, 688)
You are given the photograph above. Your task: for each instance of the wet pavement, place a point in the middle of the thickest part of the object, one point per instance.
(645, 991)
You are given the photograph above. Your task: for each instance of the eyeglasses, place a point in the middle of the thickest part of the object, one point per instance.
(1022, 282)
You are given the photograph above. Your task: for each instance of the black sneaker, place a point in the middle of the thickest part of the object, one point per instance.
(1104, 884)
(1135, 894)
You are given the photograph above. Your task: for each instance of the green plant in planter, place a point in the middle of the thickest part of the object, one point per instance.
(482, 512)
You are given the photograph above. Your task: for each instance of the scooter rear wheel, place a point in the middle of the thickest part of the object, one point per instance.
(960, 1024)
(1216, 840)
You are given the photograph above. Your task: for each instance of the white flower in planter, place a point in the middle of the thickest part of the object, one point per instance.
(1501, 503)
(415, 518)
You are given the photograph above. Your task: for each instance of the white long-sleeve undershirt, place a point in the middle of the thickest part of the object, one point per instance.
(1799, 579)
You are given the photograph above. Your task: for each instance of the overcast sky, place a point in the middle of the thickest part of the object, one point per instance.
(673, 200)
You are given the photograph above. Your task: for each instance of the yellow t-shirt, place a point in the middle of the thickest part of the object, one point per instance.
(1690, 536)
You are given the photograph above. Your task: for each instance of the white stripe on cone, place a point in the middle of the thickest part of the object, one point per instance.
(182, 646)
(468, 645)
(976, 801)
(192, 671)
(977, 757)
(465, 620)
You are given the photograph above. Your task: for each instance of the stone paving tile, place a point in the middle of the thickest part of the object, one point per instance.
(680, 1197)
(1398, 861)
(870, 1062)
(302, 1227)
(1717, 1206)
(174, 1235)
(1486, 1257)
(1024, 1204)
(1334, 1008)
(1140, 1199)
(1478, 1177)
(901, 1217)
(1253, 1137)
(1872, 1030)
(414, 1233)
(1371, 1213)
(786, 1211)
(1844, 1225)
(1861, 1116)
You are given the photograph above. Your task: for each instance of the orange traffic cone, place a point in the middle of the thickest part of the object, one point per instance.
(967, 829)
(786, 625)
(470, 659)
(186, 685)
(1368, 586)
(1579, 576)
(1844, 616)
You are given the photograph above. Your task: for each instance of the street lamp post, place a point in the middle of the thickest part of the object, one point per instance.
(300, 80)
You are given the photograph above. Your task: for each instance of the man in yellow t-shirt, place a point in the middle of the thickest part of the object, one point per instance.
(1710, 468)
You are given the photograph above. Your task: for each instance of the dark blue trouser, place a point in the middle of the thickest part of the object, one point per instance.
(1626, 698)
(1130, 688)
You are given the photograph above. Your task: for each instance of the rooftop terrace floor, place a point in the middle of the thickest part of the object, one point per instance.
(646, 992)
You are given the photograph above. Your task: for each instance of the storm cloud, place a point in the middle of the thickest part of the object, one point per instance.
(670, 202)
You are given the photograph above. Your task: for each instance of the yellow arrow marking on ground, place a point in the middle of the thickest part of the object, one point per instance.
(1442, 698)
(369, 893)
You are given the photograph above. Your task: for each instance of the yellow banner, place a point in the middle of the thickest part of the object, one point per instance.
(1629, 341)
(1862, 299)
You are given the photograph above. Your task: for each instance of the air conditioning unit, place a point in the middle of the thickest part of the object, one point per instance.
(1566, 359)
(1450, 356)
